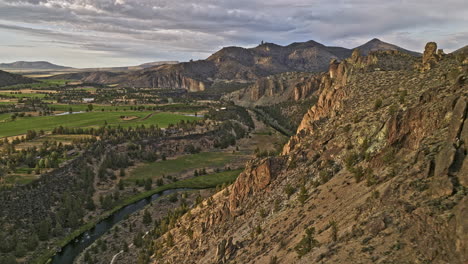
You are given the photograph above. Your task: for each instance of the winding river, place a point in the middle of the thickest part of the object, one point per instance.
(79, 244)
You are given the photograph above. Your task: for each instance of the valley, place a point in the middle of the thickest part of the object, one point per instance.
(302, 153)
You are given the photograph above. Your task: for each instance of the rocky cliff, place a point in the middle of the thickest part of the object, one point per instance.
(377, 173)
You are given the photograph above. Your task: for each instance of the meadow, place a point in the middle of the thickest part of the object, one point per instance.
(181, 164)
(87, 119)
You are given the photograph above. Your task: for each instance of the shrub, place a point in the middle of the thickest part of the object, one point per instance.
(307, 242)
(378, 104)
(289, 190)
(303, 195)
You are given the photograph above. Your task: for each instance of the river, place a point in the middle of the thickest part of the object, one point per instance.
(79, 244)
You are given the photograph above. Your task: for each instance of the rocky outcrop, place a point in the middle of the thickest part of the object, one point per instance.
(291, 86)
(255, 178)
(224, 251)
(430, 56)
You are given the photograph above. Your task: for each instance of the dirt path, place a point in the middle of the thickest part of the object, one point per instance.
(148, 116)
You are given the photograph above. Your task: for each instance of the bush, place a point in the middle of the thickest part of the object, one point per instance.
(289, 190)
(307, 242)
(378, 104)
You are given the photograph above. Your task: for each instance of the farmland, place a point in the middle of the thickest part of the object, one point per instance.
(88, 119)
(182, 164)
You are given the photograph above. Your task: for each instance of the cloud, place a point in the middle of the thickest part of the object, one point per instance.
(150, 29)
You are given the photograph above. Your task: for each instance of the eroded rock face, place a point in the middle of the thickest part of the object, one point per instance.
(256, 177)
(430, 53)
(430, 56)
(225, 250)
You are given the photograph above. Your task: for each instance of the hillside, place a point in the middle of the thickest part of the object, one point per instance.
(375, 174)
(238, 64)
(7, 79)
(378, 45)
(26, 65)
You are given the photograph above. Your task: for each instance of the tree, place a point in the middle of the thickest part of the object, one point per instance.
(87, 257)
(147, 219)
(43, 230)
(121, 185)
(303, 195)
(90, 204)
(122, 172)
(9, 259)
(32, 242)
(334, 230)
(148, 183)
(289, 190)
(90, 107)
(20, 250)
(307, 242)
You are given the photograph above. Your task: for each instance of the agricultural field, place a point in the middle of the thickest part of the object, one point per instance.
(182, 164)
(88, 119)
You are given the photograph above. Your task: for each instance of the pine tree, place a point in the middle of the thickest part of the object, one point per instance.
(147, 219)
(43, 230)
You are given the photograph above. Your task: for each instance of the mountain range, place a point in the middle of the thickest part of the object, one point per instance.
(238, 64)
(37, 65)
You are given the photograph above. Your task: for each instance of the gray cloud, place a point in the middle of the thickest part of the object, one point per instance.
(151, 29)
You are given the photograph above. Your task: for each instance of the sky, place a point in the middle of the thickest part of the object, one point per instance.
(102, 33)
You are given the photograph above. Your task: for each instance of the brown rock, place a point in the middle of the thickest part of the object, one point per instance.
(441, 184)
(458, 117)
(255, 178)
(430, 56)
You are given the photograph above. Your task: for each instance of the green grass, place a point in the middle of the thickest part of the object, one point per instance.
(181, 164)
(91, 119)
(200, 182)
(4, 117)
(20, 179)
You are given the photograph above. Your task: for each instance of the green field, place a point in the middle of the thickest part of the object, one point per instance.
(181, 164)
(205, 181)
(90, 119)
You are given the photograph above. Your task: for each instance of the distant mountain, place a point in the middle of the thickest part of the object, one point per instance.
(39, 65)
(376, 44)
(156, 63)
(7, 79)
(240, 64)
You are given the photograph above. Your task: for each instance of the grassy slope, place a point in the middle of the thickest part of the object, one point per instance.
(21, 125)
(184, 163)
